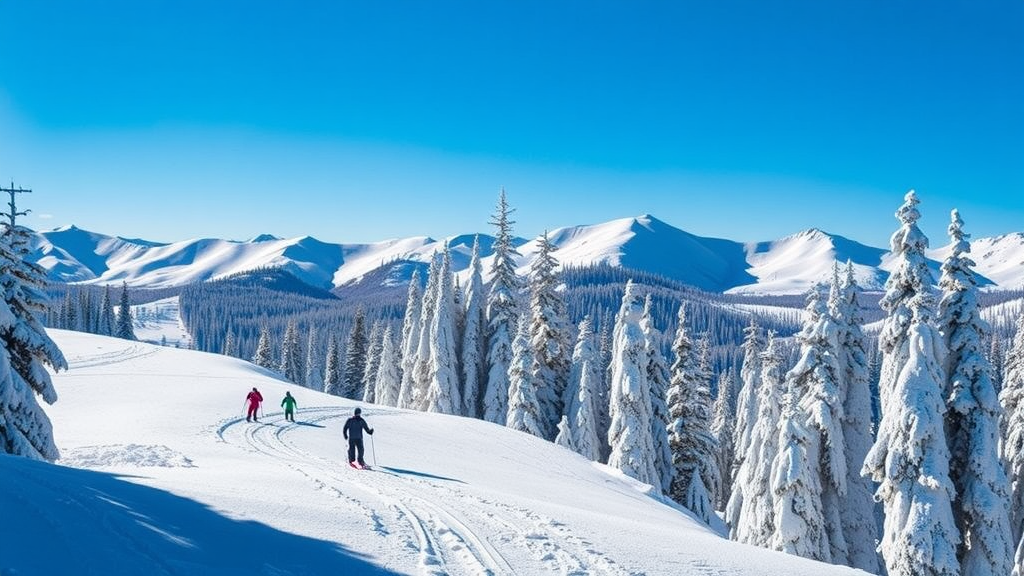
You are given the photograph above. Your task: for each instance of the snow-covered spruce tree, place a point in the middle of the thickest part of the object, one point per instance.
(722, 427)
(746, 413)
(799, 522)
(124, 316)
(473, 336)
(410, 339)
(314, 374)
(816, 380)
(564, 438)
(443, 386)
(1012, 449)
(389, 379)
(1018, 562)
(995, 356)
(705, 369)
(502, 316)
(549, 337)
(911, 463)
(230, 345)
(355, 358)
(25, 350)
(290, 366)
(332, 368)
(972, 419)
(629, 434)
(755, 521)
(523, 407)
(422, 364)
(264, 357)
(107, 320)
(694, 451)
(372, 362)
(857, 510)
(585, 376)
(658, 377)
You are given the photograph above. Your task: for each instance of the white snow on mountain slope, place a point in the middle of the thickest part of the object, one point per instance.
(160, 322)
(161, 474)
(789, 265)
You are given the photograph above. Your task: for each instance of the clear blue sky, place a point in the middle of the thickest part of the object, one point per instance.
(360, 121)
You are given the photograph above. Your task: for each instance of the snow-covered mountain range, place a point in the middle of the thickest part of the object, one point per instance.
(787, 265)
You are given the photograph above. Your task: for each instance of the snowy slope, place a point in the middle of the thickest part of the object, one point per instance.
(160, 474)
(789, 265)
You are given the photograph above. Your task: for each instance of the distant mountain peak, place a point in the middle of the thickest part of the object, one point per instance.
(263, 238)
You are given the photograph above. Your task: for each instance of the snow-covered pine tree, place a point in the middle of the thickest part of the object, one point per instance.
(816, 380)
(523, 407)
(799, 523)
(389, 379)
(1018, 562)
(585, 376)
(25, 350)
(332, 368)
(995, 357)
(658, 377)
(705, 370)
(422, 365)
(107, 320)
(746, 413)
(502, 315)
(857, 510)
(972, 419)
(722, 427)
(629, 434)
(603, 392)
(911, 463)
(473, 336)
(372, 361)
(410, 339)
(264, 357)
(230, 345)
(314, 373)
(564, 438)
(443, 386)
(755, 521)
(355, 358)
(549, 336)
(124, 316)
(1012, 424)
(290, 366)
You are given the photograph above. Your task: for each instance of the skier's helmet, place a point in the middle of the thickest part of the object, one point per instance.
(359, 411)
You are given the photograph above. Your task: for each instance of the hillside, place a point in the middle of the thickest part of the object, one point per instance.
(160, 474)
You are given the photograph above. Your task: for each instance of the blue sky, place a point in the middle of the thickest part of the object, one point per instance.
(360, 121)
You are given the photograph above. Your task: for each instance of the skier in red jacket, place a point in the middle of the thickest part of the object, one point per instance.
(254, 399)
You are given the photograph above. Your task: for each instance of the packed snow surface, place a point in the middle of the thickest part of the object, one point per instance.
(161, 474)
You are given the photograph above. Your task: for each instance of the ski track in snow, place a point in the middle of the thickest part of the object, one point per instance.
(408, 512)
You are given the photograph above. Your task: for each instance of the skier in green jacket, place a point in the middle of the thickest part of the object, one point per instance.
(289, 404)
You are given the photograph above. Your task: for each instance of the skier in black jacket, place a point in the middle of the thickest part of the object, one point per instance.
(353, 432)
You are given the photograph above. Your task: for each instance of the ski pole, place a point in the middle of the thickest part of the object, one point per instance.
(373, 450)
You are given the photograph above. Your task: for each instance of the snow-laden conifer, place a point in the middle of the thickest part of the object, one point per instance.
(564, 438)
(410, 339)
(754, 522)
(314, 373)
(264, 357)
(523, 407)
(372, 361)
(629, 434)
(230, 344)
(389, 379)
(746, 413)
(473, 336)
(722, 426)
(1012, 424)
(422, 366)
(972, 419)
(355, 358)
(799, 524)
(107, 320)
(857, 510)
(443, 385)
(502, 316)
(603, 392)
(585, 377)
(290, 366)
(124, 316)
(658, 376)
(332, 368)
(549, 337)
(816, 378)
(25, 351)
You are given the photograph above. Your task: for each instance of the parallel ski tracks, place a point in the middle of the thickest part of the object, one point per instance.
(467, 542)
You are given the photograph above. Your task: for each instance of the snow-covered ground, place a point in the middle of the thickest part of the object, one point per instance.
(161, 474)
